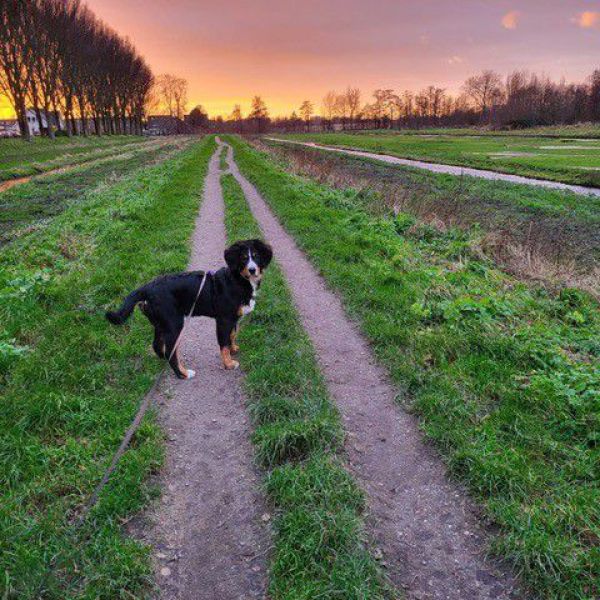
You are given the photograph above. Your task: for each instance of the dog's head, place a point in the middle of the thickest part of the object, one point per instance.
(249, 258)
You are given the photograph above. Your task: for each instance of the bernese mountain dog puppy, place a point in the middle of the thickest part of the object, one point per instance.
(227, 295)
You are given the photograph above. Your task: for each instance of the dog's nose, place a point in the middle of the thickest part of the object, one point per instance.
(252, 271)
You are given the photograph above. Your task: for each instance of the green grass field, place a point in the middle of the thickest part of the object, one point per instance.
(32, 204)
(562, 159)
(579, 130)
(21, 159)
(70, 383)
(504, 375)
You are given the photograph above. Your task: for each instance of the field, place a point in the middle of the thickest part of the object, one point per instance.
(500, 371)
(504, 375)
(563, 159)
(534, 232)
(21, 160)
(69, 386)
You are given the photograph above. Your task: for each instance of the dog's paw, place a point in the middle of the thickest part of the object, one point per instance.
(191, 374)
(231, 365)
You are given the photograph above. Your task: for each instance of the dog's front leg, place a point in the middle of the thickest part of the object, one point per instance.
(234, 347)
(225, 328)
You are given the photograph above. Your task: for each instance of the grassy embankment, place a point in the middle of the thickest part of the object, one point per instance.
(543, 232)
(20, 159)
(70, 382)
(319, 550)
(504, 375)
(32, 204)
(565, 160)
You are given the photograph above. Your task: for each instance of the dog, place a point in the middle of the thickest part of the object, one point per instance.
(228, 294)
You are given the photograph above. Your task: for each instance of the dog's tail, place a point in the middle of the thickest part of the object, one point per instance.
(118, 317)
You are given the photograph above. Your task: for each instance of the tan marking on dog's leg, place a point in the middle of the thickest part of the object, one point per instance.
(234, 347)
(228, 362)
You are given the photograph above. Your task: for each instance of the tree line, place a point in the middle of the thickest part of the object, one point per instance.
(520, 100)
(58, 58)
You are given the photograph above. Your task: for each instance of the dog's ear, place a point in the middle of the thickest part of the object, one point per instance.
(232, 256)
(264, 251)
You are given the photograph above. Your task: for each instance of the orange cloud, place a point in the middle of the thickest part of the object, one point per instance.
(588, 20)
(511, 19)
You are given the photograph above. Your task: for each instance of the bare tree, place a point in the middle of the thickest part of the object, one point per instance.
(16, 58)
(352, 102)
(237, 116)
(484, 90)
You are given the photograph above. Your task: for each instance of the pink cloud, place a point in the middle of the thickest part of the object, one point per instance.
(511, 19)
(588, 20)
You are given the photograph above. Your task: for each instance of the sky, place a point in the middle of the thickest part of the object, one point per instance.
(292, 50)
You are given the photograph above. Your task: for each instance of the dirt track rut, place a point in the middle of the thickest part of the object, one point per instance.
(428, 530)
(208, 537)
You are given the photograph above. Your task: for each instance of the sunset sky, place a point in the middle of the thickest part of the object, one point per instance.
(289, 50)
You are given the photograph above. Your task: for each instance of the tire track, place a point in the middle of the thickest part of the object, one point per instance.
(426, 526)
(208, 538)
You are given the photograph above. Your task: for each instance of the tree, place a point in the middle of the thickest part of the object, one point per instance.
(57, 56)
(352, 102)
(198, 118)
(16, 58)
(306, 111)
(259, 113)
(237, 116)
(172, 91)
(484, 90)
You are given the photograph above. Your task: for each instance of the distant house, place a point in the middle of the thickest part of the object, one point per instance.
(165, 125)
(37, 128)
(9, 128)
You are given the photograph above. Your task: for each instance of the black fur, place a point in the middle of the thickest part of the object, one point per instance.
(167, 299)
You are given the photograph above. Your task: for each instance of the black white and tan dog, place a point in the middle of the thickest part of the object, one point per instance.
(228, 294)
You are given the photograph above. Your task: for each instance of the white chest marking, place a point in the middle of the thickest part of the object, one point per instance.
(248, 308)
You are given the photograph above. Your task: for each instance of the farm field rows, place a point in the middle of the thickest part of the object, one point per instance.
(18, 159)
(575, 161)
(504, 375)
(30, 204)
(70, 384)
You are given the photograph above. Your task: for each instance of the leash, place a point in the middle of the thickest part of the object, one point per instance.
(136, 420)
(190, 313)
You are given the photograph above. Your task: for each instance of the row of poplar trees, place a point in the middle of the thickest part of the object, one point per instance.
(58, 58)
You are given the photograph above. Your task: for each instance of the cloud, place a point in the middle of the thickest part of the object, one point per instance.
(587, 20)
(511, 19)
(455, 60)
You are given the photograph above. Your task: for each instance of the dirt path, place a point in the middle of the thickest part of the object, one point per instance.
(452, 170)
(430, 535)
(207, 533)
